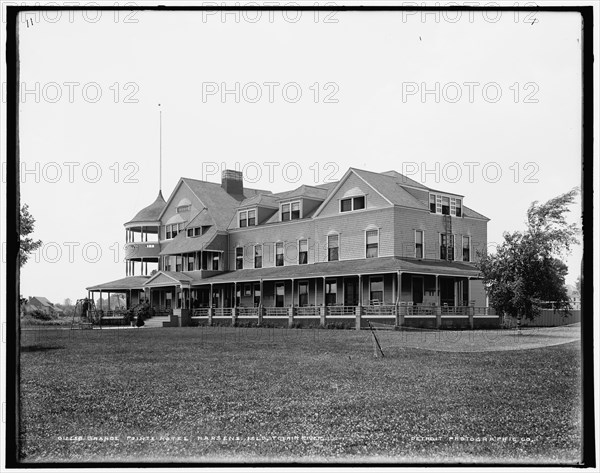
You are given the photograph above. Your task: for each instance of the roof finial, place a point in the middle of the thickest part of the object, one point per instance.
(159, 149)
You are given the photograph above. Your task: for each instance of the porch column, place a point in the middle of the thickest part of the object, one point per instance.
(109, 301)
(292, 304)
(438, 313)
(323, 310)
(360, 300)
(260, 304)
(100, 299)
(292, 310)
(210, 304)
(399, 310)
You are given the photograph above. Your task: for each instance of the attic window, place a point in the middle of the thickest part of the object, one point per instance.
(353, 203)
(290, 211)
(247, 218)
(445, 205)
(183, 208)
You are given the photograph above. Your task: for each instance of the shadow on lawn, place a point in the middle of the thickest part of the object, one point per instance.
(36, 348)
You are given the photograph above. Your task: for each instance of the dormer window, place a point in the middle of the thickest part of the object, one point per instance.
(247, 218)
(290, 211)
(352, 203)
(445, 205)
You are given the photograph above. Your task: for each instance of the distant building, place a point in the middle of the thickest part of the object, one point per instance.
(369, 239)
(42, 304)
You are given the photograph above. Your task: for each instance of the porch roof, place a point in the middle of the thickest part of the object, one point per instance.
(124, 284)
(347, 268)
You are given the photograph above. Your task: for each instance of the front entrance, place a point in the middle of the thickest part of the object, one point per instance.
(447, 291)
(417, 289)
(350, 292)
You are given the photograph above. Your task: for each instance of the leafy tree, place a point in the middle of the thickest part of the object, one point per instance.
(527, 269)
(27, 245)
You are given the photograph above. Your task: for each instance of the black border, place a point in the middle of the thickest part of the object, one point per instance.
(13, 205)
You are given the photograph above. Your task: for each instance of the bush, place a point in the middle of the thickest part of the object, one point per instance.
(41, 315)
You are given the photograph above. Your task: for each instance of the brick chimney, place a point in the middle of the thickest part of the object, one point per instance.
(233, 183)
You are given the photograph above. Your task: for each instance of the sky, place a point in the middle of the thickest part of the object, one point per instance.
(487, 105)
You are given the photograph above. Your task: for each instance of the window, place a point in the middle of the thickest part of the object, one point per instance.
(466, 253)
(183, 208)
(238, 296)
(295, 210)
(190, 263)
(279, 294)
(330, 292)
(419, 244)
(303, 252)
(174, 230)
(197, 231)
(279, 254)
(247, 289)
(239, 258)
(258, 256)
(178, 263)
(372, 244)
(446, 246)
(333, 242)
(247, 218)
(290, 211)
(445, 206)
(376, 294)
(190, 232)
(352, 203)
(168, 231)
(215, 261)
(285, 212)
(303, 294)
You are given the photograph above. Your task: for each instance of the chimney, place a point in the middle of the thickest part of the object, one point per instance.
(233, 183)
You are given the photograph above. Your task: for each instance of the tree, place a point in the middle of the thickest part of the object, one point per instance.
(527, 269)
(27, 245)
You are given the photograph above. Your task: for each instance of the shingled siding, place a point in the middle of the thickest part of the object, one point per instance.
(287, 232)
(351, 227)
(373, 200)
(409, 220)
(182, 192)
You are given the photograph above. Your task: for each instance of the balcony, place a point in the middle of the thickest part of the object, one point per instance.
(146, 250)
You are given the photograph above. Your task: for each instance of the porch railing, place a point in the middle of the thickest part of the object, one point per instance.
(308, 311)
(247, 311)
(200, 312)
(340, 310)
(223, 311)
(379, 310)
(276, 312)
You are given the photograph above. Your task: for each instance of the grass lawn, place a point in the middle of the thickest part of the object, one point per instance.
(210, 394)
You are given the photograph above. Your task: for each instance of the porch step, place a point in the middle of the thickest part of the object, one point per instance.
(156, 321)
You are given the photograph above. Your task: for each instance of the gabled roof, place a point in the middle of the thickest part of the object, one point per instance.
(304, 191)
(183, 244)
(404, 180)
(467, 212)
(202, 219)
(152, 212)
(261, 200)
(42, 300)
(390, 188)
